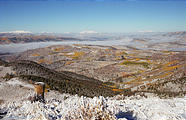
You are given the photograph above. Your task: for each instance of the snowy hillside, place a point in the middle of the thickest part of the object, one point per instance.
(63, 106)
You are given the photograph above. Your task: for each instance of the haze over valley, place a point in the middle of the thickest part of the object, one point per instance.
(19, 42)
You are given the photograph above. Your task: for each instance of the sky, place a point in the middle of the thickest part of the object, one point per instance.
(93, 15)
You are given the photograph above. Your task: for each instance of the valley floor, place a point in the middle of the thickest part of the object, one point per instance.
(116, 69)
(14, 105)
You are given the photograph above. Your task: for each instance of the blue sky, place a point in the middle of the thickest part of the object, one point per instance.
(95, 15)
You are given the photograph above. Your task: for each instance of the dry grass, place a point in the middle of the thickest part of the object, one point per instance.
(77, 44)
(35, 55)
(58, 49)
(117, 90)
(170, 63)
(44, 61)
(1, 101)
(41, 61)
(171, 68)
(127, 62)
(69, 62)
(125, 75)
(113, 86)
(77, 55)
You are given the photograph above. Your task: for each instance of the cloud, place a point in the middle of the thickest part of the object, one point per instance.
(67, 32)
(46, 32)
(88, 32)
(145, 31)
(17, 31)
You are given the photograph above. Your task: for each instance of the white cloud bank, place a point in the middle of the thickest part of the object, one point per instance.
(17, 31)
(145, 31)
(88, 32)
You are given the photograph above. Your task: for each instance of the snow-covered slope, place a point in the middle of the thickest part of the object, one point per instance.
(67, 107)
(17, 31)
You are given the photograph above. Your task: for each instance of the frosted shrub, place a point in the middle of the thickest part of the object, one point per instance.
(92, 111)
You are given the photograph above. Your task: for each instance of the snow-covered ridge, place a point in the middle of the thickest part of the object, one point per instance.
(17, 31)
(72, 107)
(76, 108)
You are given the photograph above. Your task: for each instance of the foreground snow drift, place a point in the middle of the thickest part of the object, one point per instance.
(74, 107)
(63, 106)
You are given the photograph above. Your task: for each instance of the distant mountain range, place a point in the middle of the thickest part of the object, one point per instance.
(17, 32)
(7, 38)
(151, 40)
(26, 37)
(181, 33)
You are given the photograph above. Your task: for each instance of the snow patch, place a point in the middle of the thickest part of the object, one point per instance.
(15, 81)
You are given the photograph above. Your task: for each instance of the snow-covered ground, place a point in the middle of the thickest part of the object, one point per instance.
(67, 107)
